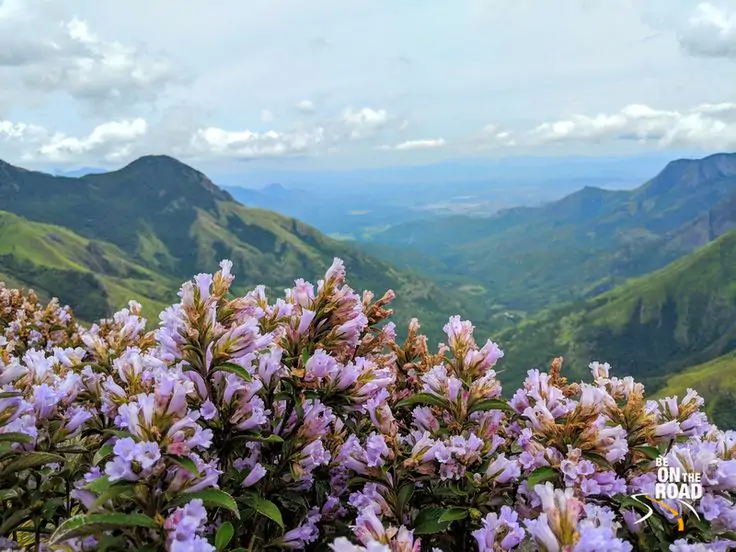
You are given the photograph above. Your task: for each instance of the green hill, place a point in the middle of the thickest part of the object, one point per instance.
(716, 382)
(92, 276)
(103, 238)
(650, 327)
(583, 244)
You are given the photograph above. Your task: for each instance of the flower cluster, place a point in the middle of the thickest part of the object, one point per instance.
(302, 423)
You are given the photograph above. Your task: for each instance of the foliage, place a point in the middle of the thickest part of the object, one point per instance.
(651, 327)
(244, 424)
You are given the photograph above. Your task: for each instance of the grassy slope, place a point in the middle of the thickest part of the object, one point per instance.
(716, 382)
(93, 277)
(652, 327)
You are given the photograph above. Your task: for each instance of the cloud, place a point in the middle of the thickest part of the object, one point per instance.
(20, 132)
(44, 51)
(217, 142)
(305, 106)
(113, 141)
(703, 126)
(182, 133)
(421, 144)
(365, 122)
(710, 32)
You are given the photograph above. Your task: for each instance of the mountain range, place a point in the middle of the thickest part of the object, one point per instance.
(583, 244)
(101, 239)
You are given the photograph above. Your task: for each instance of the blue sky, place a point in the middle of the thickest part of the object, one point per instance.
(332, 83)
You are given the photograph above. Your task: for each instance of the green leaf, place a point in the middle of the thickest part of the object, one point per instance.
(264, 507)
(7, 494)
(224, 535)
(404, 496)
(186, 463)
(101, 454)
(211, 497)
(305, 357)
(490, 404)
(428, 522)
(598, 459)
(10, 394)
(112, 492)
(424, 398)
(540, 475)
(98, 485)
(629, 502)
(108, 542)
(453, 514)
(120, 434)
(92, 524)
(650, 452)
(50, 507)
(31, 460)
(16, 518)
(273, 438)
(233, 369)
(14, 437)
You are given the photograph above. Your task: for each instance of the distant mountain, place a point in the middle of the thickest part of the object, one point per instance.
(76, 173)
(135, 231)
(651, 327)
(585, 243)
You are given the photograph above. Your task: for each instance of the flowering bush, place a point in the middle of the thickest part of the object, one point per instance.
(241, 424)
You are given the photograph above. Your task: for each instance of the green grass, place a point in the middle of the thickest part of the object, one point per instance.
(94, 277)
(716, 382)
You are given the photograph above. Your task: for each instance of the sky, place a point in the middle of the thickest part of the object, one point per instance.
(362, 83)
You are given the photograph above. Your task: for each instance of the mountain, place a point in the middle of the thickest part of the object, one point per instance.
(585, 243)
(137, 230)
(651, 327)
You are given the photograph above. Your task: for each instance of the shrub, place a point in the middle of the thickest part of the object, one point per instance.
(241, 424)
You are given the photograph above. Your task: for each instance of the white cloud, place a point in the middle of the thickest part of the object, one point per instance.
(20, 132)
(305, 106)
(703, 126)
(266, 116)
(365, 122)
(710, 32)
(42, 50)
(182, 134)
(421, 144)
(111, 141)
(217, 142)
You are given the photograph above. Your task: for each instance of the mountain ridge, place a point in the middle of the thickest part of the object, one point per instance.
(591, 238)
(172, 220)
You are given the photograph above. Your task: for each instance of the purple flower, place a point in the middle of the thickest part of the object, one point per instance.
(595, 539)
(307, 532)
(499, 530)
(183, 526)
(376, 450)
(257, 473)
